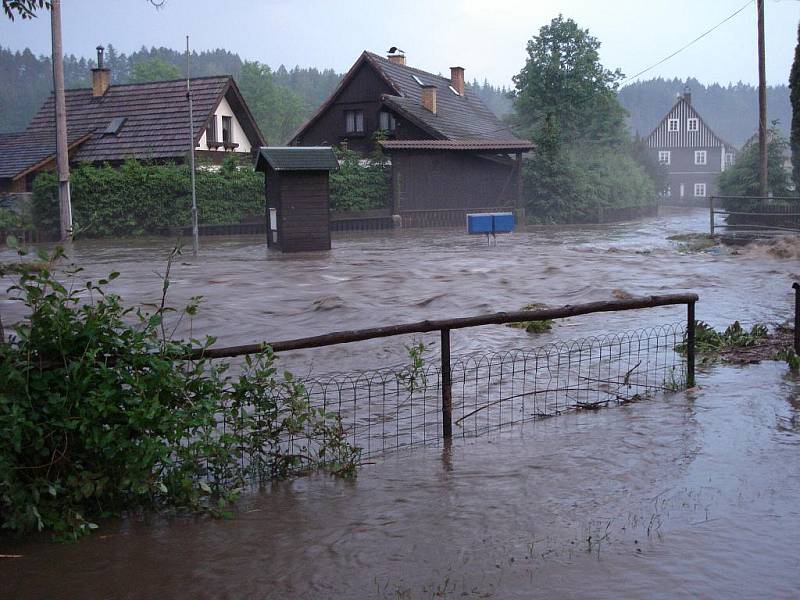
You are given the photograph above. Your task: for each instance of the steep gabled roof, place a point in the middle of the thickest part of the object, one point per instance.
(457, 117)
(156, 118)
(661, 137)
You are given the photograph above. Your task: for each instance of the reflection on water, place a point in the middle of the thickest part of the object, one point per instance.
(693, 494)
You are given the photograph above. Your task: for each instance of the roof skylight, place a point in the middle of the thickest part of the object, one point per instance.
(418, 80)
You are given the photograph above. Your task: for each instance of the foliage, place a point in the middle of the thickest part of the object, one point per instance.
(9, 220)
(567, 184)
(564, 85)
(277, 110)
(790, 357)
(565, 100)
(154, 69)
(741, 179)
(360, 183)
(140, 198)
(710, 341)
(533, 326)
(99, 413)
(693, 242)
(24, 9)
(794, 99)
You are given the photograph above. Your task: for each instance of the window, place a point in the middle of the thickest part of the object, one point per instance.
(664, 157)
(211, 130)
(227, 129)
(418, 80)
(699, 190)
(386, 121)
(700, 157)
(692, 124)
(354, 121)
(673, 125)
(728, 159)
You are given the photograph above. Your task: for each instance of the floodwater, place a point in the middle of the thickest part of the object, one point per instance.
(692, 494)
(380, 278)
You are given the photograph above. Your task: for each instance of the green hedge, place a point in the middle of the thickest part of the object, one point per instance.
(140, 198)
(360, 183)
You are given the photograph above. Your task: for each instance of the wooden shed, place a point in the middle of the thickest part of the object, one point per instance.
(298, 196)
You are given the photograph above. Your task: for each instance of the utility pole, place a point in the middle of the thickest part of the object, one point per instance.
(762, 104)
(62, 155)
(195, 234)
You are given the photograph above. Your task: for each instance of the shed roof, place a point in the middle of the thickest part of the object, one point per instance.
(23, 152)
(296, 158)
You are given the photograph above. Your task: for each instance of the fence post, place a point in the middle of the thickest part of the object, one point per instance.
(690, 344)
(711, 214)
(447, 387)
(796, 287)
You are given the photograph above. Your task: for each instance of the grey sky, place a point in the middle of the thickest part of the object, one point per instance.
(488, 38)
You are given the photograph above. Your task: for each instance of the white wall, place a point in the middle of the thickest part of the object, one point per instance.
(239, 137)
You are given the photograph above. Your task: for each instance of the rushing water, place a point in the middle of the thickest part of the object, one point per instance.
(693, 494)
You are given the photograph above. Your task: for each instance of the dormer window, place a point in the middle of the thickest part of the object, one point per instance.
(673, 125)
(386, 121)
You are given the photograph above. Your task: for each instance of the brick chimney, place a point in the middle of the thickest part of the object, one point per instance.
(429, 97)
(457, 79)
(101, 77)
(398, 59)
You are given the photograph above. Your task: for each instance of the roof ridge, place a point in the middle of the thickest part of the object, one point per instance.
(143, 83)
(428, 73)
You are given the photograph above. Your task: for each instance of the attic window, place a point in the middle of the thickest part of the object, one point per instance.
(454, 90)
(114, 126)
(418, 80)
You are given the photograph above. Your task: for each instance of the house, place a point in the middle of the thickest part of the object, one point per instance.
(148, 121)
(692, 153)
(450, 154)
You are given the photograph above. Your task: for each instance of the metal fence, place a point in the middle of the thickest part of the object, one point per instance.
(390, 409)
(429, 401)
(754, 214)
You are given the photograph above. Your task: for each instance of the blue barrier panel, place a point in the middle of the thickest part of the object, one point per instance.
(503, 222)
(479, 223)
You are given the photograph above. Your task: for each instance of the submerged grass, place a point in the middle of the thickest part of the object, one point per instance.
(694, 242)
(533, 326)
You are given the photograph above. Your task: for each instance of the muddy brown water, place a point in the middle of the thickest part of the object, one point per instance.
(693, 494)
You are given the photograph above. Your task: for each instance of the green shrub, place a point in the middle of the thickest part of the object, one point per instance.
(534, 326)
(140, 198)
(100, 413)
(360, 183)
(9, 220)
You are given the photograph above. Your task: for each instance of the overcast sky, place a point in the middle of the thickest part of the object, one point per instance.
(488, 38)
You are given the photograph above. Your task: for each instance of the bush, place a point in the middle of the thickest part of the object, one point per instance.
(360, 183)
(140, 198)
(579, 184)
(100, 413)
(9, 220)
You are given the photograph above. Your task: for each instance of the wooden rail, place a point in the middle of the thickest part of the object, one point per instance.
(444, 326)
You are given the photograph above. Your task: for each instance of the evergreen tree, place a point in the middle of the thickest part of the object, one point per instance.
(794, 98)
(154, 69)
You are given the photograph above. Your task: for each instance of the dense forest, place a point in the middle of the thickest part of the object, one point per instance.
(282, 98)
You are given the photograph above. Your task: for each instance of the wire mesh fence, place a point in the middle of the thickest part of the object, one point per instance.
(752, 214)
(389, 409)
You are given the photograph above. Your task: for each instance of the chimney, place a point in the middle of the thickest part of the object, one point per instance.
(398, 59)
(457, 79)
(101, 77)
(429, 97)
(687, 94)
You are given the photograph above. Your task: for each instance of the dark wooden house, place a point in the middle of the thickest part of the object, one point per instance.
(450, 154)
(691, 152)
(298, 197)
(147, 121)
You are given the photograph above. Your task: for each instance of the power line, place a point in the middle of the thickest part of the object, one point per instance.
(695, 40)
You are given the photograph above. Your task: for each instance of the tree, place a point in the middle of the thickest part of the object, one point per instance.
(563, 80)
(794, 98)
(277, 110)
(154, 69)
(741, 179)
